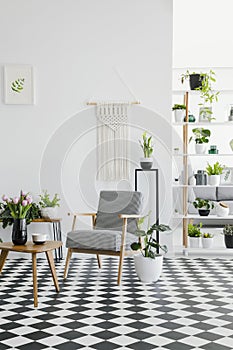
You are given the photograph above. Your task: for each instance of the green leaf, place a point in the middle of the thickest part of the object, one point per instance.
(136, 246)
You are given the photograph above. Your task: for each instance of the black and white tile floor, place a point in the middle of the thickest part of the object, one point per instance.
(190, 307)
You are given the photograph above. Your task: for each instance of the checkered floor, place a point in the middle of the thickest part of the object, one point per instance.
(189, 308)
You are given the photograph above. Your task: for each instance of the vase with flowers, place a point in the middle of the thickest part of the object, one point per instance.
(18, 207)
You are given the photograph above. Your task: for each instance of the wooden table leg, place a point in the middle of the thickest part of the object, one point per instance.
(3, 257)
(34, 274)
(49, 255)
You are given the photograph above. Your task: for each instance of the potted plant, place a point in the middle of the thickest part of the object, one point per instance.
(148, 264)
(203, 83)
(195, 79)
(194, 234)
(203, 206)
(49, 206)
(179, 112)
(15, 210)
(201, 139)
(146, 144)
(214, 173)
(228, 235)
(207, 240)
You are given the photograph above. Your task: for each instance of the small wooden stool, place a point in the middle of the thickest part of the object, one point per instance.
(46, 248)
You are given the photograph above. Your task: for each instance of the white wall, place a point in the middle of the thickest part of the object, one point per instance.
(81, 50)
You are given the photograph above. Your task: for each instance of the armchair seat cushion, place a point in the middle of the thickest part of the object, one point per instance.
(98, 239)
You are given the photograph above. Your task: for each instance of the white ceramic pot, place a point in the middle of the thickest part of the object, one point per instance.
(146, 163)
(179, 115)
(194, 242)
(39, 238)
(148, 269)
(200, 148)
(214, 180)
(207, 242)
(221, 209)
(49, 213)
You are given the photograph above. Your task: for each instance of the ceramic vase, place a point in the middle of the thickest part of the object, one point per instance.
(19, 232)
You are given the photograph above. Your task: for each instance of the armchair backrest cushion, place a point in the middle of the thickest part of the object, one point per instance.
(113, 203)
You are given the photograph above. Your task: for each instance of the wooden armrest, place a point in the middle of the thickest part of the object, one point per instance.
(83, 214)
(129, 216)
(93, 215)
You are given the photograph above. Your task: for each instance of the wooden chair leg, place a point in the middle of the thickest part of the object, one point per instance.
(120, 266)
(99, 261)
(68, 257)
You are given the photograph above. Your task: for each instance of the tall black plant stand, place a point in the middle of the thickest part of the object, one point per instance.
(156, 198)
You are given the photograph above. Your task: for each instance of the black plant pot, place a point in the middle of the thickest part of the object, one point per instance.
(19, 232)
(203, 212)
(195, 81)
(228, 241)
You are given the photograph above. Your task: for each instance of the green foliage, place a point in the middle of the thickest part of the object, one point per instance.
(146, 145)
(149, 241)
(177, 106)
(228, 230)
(47, 202)
(201, 135)
(216, 169)
(207, 235)
(206, 92)
(7, 219)
(194, 230)
(17, 85)
(200, 203)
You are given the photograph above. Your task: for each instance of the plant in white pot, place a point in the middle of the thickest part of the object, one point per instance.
(207, 240)
(194, 234)
(203, 206)
(49, 206)
(179, 112)
(201, 137)
(214, 171)
(146, 144)
(149, 264)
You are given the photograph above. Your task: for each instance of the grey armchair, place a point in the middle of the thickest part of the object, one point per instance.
(113, 228)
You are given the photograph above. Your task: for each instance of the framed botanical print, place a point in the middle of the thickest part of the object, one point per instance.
(18, 84)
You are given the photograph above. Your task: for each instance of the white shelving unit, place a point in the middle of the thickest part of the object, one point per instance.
(186, 156)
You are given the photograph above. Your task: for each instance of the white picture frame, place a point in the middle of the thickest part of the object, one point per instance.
(18, 84)
(227, 176)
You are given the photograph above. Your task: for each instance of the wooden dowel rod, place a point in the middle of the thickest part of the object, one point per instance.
(132, 103)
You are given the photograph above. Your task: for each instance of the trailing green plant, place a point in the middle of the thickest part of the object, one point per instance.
(201, 135)
(215, 169)
(45, 200)
(208, 95)
(194, 230)
(228, 230)
(206, 91)
(7, 219)
(150, 243)
(207, 235)
(200, 203)
(177, 106)
(146, 145)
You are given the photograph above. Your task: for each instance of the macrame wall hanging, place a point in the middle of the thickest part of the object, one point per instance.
(112, 141)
